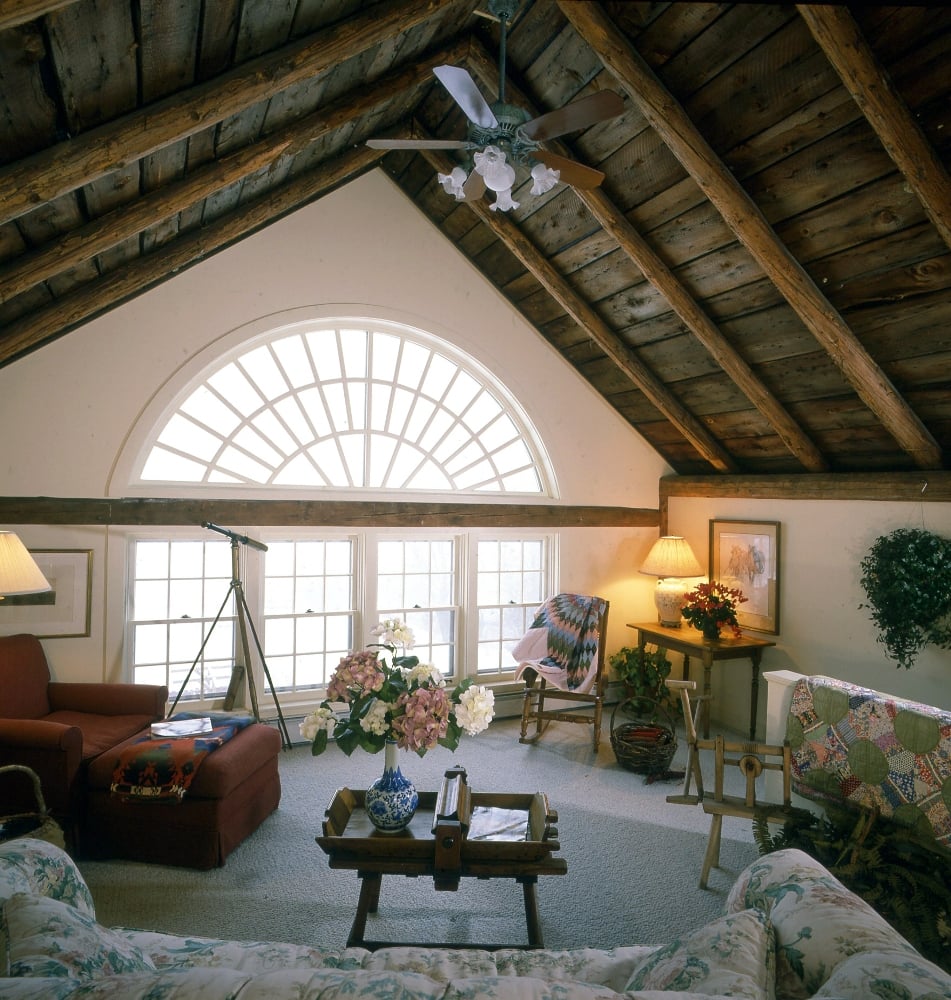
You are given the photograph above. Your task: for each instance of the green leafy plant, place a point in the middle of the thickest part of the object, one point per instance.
(905, 878)
(643, 671)
(906, 576)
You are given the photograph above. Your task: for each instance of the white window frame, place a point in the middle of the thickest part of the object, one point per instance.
(366, 612)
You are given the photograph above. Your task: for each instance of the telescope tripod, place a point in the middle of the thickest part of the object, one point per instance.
(239, 670)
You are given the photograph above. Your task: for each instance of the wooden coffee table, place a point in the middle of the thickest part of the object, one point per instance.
(506, 836)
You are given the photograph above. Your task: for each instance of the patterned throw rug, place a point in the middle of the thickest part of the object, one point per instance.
(163, 769)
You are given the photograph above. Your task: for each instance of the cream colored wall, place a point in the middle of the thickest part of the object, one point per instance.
(82, 404)
(822, 628)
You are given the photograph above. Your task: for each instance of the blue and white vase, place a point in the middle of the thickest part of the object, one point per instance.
(391, 801)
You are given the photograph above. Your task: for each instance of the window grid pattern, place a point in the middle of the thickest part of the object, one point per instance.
(347, 408)
(511, 580)
(417, 583)
(179, 590)
(309, 610)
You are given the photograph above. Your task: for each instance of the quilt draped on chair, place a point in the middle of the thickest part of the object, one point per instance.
(562, 643)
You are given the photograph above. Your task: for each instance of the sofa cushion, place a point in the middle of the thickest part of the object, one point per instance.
(869, 974)
(101, 732)
(732, 956)
(46, 937)
(28, 864)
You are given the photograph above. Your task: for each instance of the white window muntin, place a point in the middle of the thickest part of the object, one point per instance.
(348, 406)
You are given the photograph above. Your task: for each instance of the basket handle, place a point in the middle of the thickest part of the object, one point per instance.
(647, 701)
(34, 777)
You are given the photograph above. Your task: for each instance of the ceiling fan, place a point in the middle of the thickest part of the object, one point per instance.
(500, 134)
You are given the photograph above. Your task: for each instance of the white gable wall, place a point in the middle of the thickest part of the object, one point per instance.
(83, 404)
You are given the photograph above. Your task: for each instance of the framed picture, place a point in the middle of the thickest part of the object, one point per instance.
(745, 555)
(61, 613)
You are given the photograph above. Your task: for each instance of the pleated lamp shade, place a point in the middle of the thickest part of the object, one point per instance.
(19, 573)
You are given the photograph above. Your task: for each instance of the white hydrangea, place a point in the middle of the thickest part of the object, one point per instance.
(375, 720)
(394, 632)
(476, 709)
(320, 718)
(424, 674)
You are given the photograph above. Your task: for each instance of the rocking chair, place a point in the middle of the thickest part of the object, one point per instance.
(562, 657)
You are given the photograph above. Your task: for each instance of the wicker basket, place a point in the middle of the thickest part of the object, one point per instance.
(645, 745)
(39, 824)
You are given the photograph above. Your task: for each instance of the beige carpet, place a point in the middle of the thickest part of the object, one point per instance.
(633, 859)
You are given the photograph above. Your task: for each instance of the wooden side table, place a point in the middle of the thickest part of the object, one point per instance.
(691, 643)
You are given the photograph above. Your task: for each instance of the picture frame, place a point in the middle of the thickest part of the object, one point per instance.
(745, 555)
(65, 611)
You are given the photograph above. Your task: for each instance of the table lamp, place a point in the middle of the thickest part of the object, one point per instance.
(670, 559)
(19, 574)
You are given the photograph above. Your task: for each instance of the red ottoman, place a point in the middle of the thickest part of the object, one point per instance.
(236, 787)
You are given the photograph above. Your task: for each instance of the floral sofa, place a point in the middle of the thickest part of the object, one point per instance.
(789, 930)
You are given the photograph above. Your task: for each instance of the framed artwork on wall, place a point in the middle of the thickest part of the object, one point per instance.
(745, 555)
(64, 612)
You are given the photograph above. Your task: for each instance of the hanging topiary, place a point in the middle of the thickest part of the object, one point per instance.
(906, 576)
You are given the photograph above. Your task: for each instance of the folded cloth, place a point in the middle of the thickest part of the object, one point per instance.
(163, 769)
(562, 644)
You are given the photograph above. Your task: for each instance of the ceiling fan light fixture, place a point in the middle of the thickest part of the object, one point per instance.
(498, 174)
(544, 178)
(453, 183)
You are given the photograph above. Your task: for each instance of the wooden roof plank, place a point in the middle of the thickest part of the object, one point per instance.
(747, 221)
(842, 41)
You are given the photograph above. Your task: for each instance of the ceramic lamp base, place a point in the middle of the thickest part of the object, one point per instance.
(669, 599)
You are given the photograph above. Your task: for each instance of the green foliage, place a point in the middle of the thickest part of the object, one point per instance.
(905, 878)
(906, 576)
(643, 672)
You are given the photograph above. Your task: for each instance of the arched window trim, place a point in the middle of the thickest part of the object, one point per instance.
(169, 400)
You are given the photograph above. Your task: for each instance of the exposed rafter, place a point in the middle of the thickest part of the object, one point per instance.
(746, 220)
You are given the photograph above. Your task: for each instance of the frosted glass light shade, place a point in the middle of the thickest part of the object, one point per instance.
(19, 574)
(670, 559)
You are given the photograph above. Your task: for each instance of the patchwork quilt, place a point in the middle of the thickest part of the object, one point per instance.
(855, 745)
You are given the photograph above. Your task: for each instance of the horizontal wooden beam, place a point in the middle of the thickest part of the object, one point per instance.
(318, 513)
(900, 487)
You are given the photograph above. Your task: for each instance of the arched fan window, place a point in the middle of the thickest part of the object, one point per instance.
(349, 407)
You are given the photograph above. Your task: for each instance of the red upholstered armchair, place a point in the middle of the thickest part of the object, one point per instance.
(57, 728)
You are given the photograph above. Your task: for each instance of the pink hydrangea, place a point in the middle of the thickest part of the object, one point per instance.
(424, 720)
(356, 675)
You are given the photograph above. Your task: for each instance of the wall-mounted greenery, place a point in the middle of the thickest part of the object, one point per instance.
(906, 576)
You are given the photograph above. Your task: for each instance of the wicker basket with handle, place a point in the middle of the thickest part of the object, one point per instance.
(647, 743)
(37, 823)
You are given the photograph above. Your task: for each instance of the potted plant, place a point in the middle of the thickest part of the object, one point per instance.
(643, 671)
(906, 576)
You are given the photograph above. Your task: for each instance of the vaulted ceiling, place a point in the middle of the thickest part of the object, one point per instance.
(760, 285)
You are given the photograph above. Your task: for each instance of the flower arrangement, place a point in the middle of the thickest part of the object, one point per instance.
(370, 702)
(712, 606)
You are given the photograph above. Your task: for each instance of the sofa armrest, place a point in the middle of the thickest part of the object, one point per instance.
(108, 699)
(38, 734)
(51, 749)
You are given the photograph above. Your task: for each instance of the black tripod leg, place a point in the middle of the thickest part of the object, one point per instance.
(201, 650)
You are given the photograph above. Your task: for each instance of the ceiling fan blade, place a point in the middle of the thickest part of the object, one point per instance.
(467, 95)
(416, 144)
(575, 174)
(474, 186)
(578, 114)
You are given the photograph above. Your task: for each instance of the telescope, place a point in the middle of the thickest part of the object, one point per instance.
(235, 536)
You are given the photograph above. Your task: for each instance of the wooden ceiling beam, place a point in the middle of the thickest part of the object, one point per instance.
(638, 250)
(340, 513)
(586, 317)
(743, 216)
(53, 172)
(14, 12)
(90, 300)
(844, 45)
(82, 244)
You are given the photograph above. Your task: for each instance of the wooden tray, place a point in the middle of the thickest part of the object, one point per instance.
(503, 827)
